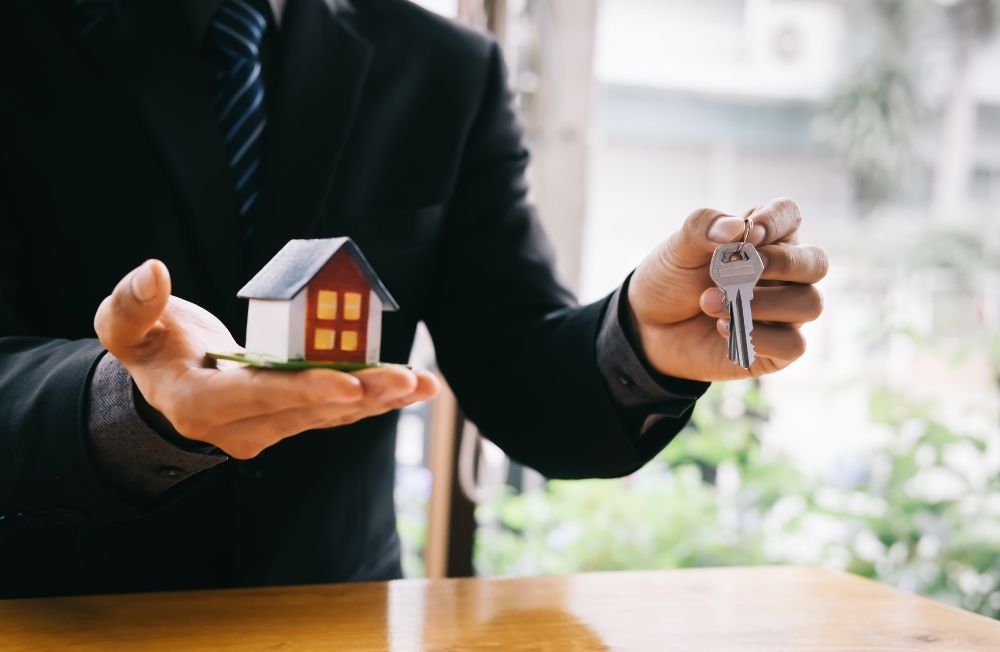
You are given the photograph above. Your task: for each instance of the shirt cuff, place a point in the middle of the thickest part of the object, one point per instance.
(642, 395)
(130, 455)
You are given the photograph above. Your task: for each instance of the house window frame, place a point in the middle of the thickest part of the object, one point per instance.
(327, 303)
(353, 302)
(320, 331)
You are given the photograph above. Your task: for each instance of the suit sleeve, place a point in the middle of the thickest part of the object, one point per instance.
(648, 403)
(46, 472)
(519, 352)
(140, 459)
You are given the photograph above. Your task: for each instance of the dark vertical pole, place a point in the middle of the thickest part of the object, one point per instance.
(461, 517)
(462, 510)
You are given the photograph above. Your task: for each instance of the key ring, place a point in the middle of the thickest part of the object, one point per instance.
(747, 226)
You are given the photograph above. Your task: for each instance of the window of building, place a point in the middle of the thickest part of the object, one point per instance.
(349, 341)
(326, 305)
(324, 338)
(352, 306)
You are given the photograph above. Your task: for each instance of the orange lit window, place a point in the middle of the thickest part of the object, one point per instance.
(323, 339)
(349, 341)
(326, 305)
(352, 306)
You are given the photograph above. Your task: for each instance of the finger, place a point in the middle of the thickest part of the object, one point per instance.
(794, 263)
(776, 342)
(703, 231)
(792, 304)
(776, 221)
(211, 397)
(127, 315)
(713, 303)
(387, 382)
(789, 304)
(244, 438)
(428, 386)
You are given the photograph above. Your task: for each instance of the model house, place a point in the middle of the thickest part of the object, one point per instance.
(317, 300)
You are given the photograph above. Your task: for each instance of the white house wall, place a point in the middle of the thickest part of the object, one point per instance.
(268, 328)
(374, 336)
(297, 327)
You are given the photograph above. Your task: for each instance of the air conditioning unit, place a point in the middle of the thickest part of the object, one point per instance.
(799, 44)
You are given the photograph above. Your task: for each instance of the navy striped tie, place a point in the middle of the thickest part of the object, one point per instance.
(238, 86)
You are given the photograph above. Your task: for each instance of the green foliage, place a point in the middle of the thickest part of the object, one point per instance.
(870, 122)
(941, 523)
(912, 514)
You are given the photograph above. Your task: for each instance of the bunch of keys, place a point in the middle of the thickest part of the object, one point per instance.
(735, 269)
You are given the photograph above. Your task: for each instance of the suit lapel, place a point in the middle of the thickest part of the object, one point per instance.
(322, 68)
(147, 47)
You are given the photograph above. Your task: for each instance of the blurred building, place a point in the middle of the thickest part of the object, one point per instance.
(639, 111)
(706, 103)
(714, 103)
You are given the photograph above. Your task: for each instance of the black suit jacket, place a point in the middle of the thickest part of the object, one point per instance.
(388, 125)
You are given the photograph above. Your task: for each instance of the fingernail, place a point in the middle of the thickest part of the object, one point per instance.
(144, 283)
(339, 393)
(757, 234)
(726, 229)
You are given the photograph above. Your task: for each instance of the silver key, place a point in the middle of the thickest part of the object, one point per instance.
(732, 331)
(735, 269)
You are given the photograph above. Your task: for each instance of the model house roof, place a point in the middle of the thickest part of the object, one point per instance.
(299, 261)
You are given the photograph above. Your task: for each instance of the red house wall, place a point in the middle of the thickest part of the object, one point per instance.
(340, 274)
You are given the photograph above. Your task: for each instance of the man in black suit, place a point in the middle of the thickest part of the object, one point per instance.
(207, 134)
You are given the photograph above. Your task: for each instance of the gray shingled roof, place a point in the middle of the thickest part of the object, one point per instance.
(299, 261)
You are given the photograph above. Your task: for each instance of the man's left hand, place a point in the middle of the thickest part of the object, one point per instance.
(679, 317)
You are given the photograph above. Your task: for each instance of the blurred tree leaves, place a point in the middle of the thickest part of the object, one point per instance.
(871, 122)
(870, 125)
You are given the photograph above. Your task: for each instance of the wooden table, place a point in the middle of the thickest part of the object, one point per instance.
(731, 609)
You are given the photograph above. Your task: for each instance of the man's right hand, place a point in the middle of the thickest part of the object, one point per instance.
(162, 341)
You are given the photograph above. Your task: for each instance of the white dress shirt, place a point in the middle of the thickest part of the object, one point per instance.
(277, 7)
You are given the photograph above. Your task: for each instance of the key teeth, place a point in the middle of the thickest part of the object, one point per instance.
(734, 353)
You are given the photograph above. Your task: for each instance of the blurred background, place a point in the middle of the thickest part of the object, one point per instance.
(878, 451)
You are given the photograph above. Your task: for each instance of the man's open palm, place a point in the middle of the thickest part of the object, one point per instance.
(162, 341)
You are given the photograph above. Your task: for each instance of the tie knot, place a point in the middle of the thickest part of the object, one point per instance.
(239, 26)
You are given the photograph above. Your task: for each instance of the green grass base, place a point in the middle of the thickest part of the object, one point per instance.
(265, 362)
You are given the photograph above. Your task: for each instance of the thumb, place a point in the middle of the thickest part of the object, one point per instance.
(703, 231)
(134, 306)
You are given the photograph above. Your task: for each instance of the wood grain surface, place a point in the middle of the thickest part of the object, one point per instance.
(731, 609)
